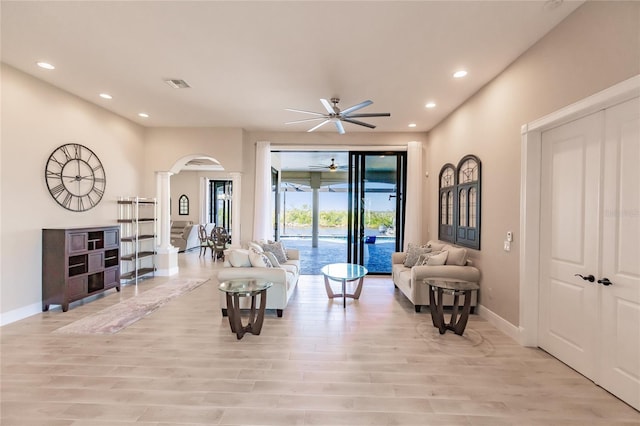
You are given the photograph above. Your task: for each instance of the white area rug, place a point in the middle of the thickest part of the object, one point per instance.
(113, 319)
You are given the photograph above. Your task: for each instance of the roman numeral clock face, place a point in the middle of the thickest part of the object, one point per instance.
(75, 177)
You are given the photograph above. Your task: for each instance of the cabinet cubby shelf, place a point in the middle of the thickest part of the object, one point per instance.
(78, 262)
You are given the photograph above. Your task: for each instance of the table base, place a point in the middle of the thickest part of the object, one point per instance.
(457, 325)
(344, 293)
(256, 316)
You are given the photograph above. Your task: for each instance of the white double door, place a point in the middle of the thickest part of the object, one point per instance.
(590, 226)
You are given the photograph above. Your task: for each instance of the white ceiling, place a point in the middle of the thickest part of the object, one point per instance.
(247, 61)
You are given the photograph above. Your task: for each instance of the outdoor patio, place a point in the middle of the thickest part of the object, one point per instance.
(334, 250)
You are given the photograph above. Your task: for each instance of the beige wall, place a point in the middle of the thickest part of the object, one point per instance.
(36, 119)
(594, 48)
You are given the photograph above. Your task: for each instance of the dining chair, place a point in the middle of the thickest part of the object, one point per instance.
(220, 240)
(205, 241)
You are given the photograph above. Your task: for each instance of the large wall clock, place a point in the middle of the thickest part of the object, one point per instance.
(75, 177)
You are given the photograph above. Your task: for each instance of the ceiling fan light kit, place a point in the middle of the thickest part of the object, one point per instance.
(336, 116)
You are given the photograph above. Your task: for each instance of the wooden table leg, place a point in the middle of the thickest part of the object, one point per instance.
(433, 308)
(256, 315)
(344, 295)
(356, 295)
(442, 327)
(327, 287)
(233, 309)
(462, 322)
(258, 319)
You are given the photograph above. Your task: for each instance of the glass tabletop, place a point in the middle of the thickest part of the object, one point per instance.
(344, 271)
(244, 286)
(453, 285)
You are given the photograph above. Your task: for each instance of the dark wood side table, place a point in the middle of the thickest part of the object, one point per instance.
(234, 289)
(457, 289)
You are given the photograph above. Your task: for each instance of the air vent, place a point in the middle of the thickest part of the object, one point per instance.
(177, 83)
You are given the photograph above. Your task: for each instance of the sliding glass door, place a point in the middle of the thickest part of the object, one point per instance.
(376, 208)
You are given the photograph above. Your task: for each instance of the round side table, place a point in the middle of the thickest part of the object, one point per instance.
(234, 289)
(457, 289)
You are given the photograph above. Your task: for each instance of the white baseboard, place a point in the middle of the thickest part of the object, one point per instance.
(20, 313)
(500, 323)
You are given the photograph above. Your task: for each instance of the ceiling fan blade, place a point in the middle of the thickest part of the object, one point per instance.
(321, 124)
(305, 112)
(305, 120)
(356, 107)
(327, 106)
(340, 127)
(359, 123)
(371, 114)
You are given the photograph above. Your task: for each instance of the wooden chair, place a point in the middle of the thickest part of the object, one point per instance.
(205, 241)
(219, 240)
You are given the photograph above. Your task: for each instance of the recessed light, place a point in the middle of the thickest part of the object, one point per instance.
(46, 65)
(106, 96)
(459, 74)
(143, 115)
(431, 105)
(412, 125)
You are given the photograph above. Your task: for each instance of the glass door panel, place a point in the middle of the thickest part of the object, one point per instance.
(376, 213)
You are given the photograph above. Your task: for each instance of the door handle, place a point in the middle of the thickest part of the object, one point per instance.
(605, 281)
(589, 278)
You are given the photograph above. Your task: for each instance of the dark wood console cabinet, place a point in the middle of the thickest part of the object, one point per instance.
(79, 262)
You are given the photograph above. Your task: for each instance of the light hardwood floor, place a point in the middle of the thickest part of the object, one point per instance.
(376, 362)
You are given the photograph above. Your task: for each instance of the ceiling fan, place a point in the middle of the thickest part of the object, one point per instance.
(335, 115)
(331, 167)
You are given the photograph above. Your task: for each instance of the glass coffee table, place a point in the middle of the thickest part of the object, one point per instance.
(343, 272)
(234, 289)
(457, 289)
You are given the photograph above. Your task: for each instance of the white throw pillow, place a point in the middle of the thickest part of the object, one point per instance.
(457, 255)
(272, 258)
(257, 247)
(435, 245)
(259, 260)
(437, 259)
(239, 258)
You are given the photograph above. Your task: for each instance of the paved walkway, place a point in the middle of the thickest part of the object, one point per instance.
(377, 257)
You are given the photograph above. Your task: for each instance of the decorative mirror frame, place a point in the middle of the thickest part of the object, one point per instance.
(459, 203)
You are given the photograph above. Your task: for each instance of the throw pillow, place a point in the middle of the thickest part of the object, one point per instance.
(457, 256)
(413, 253)
(255, 246)
(437, 259)
(435, 245)
(272, 259)
(259, 260)
(238, 258)
(277, 249)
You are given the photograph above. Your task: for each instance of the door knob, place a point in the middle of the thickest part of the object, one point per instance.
(589, 278)
(605, 281)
